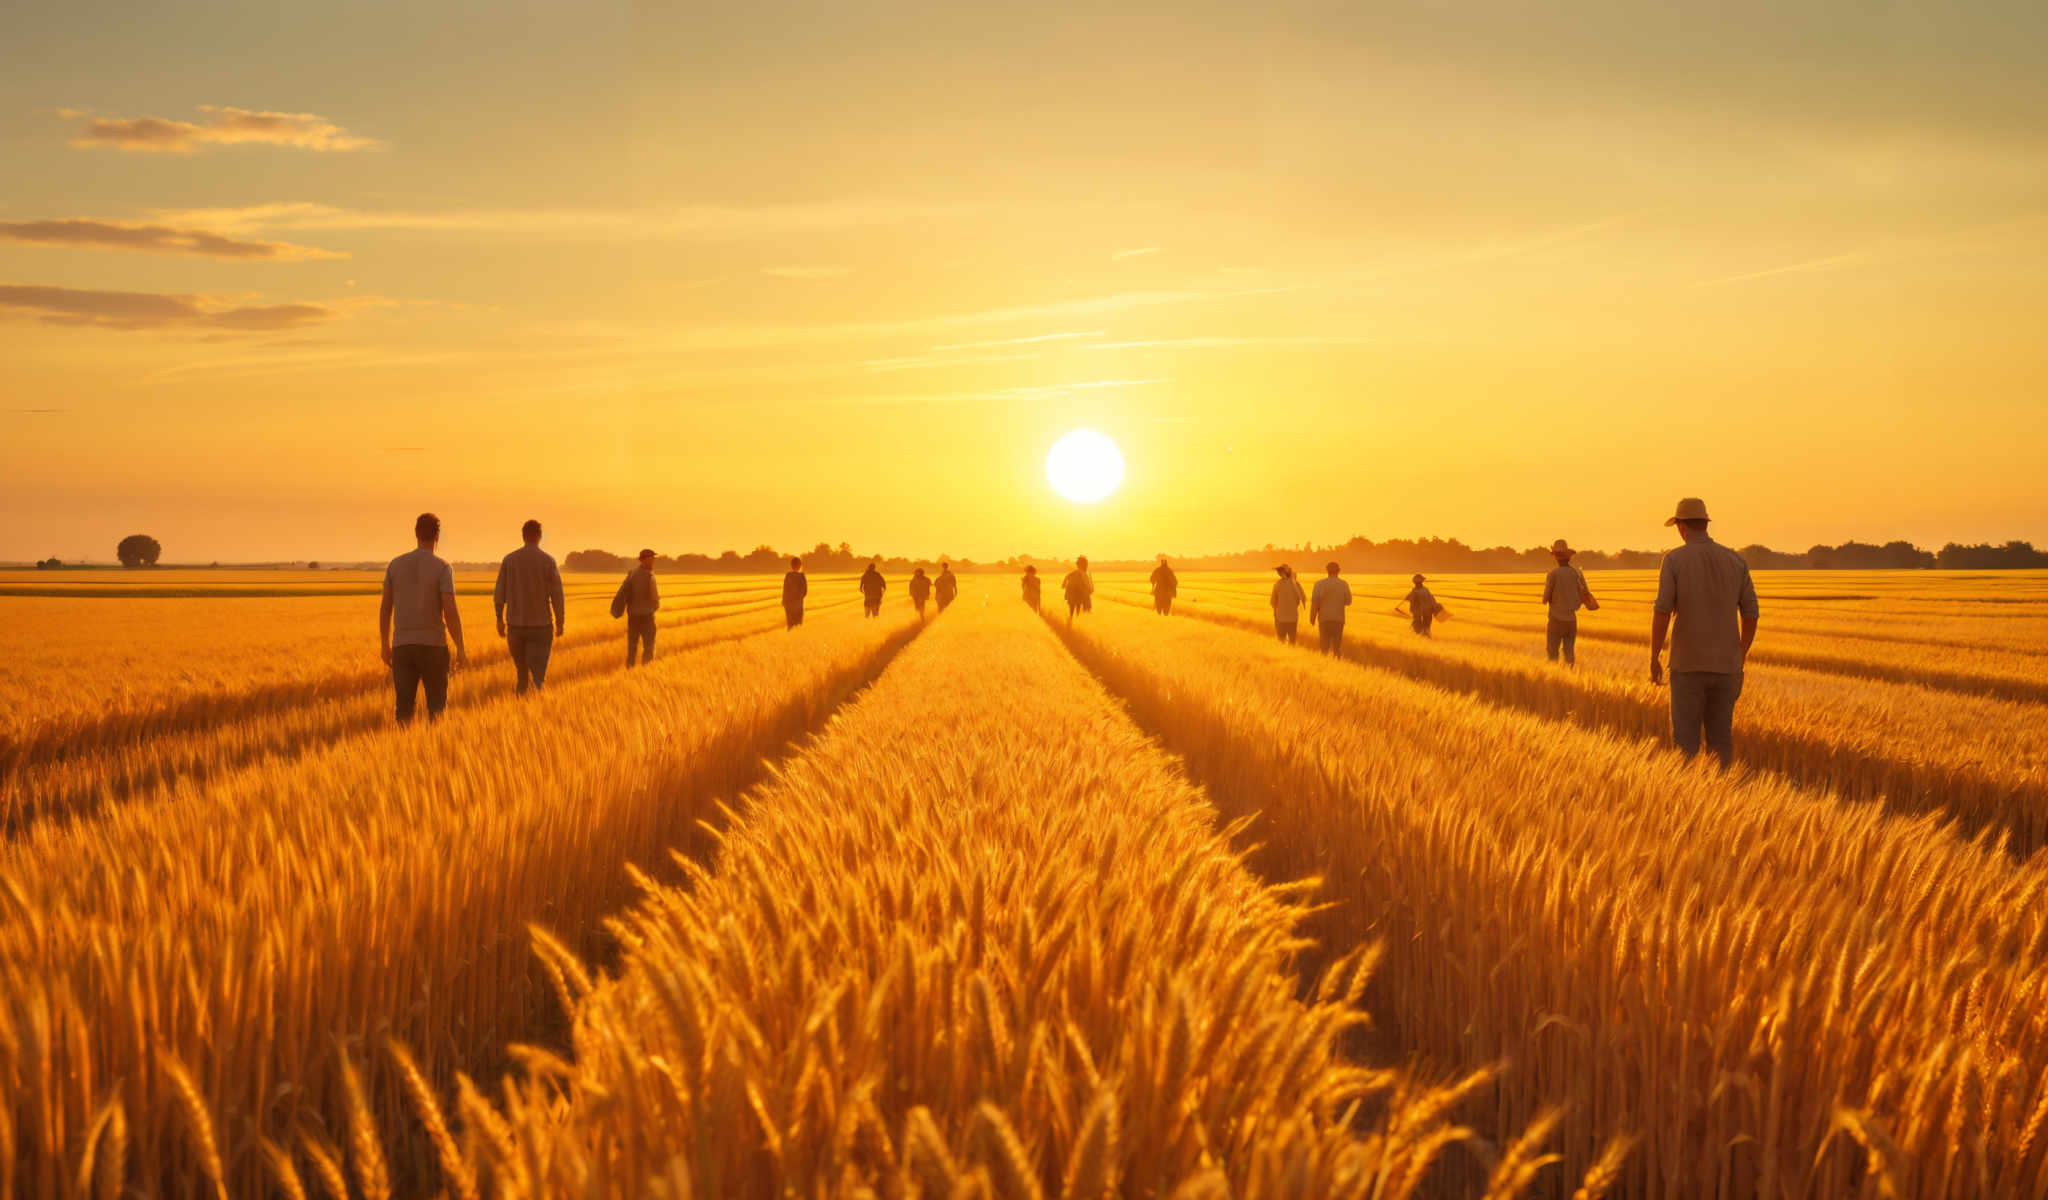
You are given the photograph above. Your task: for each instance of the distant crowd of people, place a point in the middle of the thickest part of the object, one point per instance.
(1705, 612)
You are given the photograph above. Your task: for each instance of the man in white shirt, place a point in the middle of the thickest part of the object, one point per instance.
(1326, 605)
(419, 602)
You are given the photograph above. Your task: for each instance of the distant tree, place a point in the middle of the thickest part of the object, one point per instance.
(138, 550)
(312, 566)
(51, 563)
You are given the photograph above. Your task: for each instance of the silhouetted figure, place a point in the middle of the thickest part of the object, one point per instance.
(872, 585)
(1326, 608)
(1565, 592)
(948, 586)
(528, 591)
(1032, 588)
(1706, 586)
(920, 590)
(794, 588)
(1165, 586)
(638, 599)
(1079, 588)
(415, 621)
(1422, 607)
(1288, 599)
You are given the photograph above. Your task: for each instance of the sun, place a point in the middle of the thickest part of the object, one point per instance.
(1084, 466)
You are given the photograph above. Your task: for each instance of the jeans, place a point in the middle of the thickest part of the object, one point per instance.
(1333, 637)
(530, 646)
(640, 633)
(1285, 629)
(412, 666)
(1562, 635)
(1162, 605)
(1705, 700)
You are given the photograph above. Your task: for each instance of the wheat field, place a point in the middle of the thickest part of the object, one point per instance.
(988, 905)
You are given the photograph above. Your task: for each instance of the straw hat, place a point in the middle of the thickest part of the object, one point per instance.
(1562, 548)
(647, 554)
(1692, 508)
(1418, 579)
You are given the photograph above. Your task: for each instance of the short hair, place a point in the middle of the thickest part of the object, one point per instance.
(531, 529)
(427, 528)
(795, 562)
(1082, 561)
(1331, 566)
(1029, 570)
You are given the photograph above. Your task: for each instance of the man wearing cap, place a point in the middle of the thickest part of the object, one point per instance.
(1565, 592)
(639, 599)
(1706, 586)
(1422, 606)
(1326, 604)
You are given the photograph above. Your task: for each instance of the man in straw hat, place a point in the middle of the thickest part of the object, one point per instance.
(638, 599)
(1565, 592)
(1706, 586)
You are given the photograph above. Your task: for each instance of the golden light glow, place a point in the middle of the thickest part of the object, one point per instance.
(1084, 466)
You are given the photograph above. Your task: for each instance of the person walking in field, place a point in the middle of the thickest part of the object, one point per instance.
(920, 590)
(1565, 592)
(1079, 588)
(1165, 586)
(1032, 588)
(1326, 607)
(528, 592)
(794, 588)
(1706, 588)
(638, 599)
(872, 585)
(948, 586)
(1288, 599)
(415, 621)
(1422, 607)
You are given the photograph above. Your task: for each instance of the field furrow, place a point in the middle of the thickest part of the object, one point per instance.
(1780, 993)
(981, 938)
(381, 886)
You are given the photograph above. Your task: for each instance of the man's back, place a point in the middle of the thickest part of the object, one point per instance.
(794, 586)
(415, 582)
(1077, 584)
(1706, 586)
(1331, 596)
(1566, 592)
(528, 583)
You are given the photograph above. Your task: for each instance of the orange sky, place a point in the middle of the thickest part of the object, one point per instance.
(275, 278)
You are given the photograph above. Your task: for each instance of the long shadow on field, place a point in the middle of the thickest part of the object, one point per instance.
(1975, 800)
(144, 762)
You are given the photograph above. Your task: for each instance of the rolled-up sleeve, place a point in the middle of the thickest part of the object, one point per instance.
(447, 579)
(1667, 588)
(1745, 600)
(555, 593)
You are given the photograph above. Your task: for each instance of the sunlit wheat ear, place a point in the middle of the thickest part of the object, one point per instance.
(458, 1171)
(105, 1154)
(998, 1149)
(326, 1162)
(199, 1125)
(1092, 1167)
(1882, 1159)
(1518, 1168)
(1606, 1170)
(284, 1174)
(927, 1163)
(571, 982)
(1209, 1185)
(366, 1154)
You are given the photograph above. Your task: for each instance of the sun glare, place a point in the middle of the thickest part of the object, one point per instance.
(1084, 466)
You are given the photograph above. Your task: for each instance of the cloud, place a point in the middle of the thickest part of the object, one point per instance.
(153, 310)
(707, 222)
(808, 272)
(224, 126)
(1017, 341)
(1135, 252)
(85, 233)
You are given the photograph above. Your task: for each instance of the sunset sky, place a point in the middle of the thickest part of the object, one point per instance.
(276, 277)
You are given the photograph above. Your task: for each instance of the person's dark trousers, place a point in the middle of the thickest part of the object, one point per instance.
(1162, 605)
(1286, 630)
(640, 636)
(795, 615)
(1704, 702)
(1333, 637)
(413, 666)
(1562, 636)
(920, 609)
(874, 607)
(1421, 624)
(530, 646)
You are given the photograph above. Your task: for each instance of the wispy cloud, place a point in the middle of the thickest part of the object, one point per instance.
(85, 233)
(1833, 262)
(223, 126)
(153, 310)
(1307, 341)
(808, 272)
(922, 361)
(1016, 341)
(703, 221)
(1135, 252)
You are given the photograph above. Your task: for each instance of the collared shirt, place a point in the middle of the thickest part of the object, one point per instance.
(1288, 599)
(1706, 586)
(1330, 597)
(1564, 590)
(528, 584)
(415, 582)
(643, 595)
(794, 588)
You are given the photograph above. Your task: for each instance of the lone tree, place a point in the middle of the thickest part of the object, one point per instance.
(138, 550)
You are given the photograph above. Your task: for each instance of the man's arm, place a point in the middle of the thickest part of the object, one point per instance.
(1660, 628)
(556, 598)
(498, 599)
(1745, 604)
(453, 617)
(1549, 584)
(384, 625)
